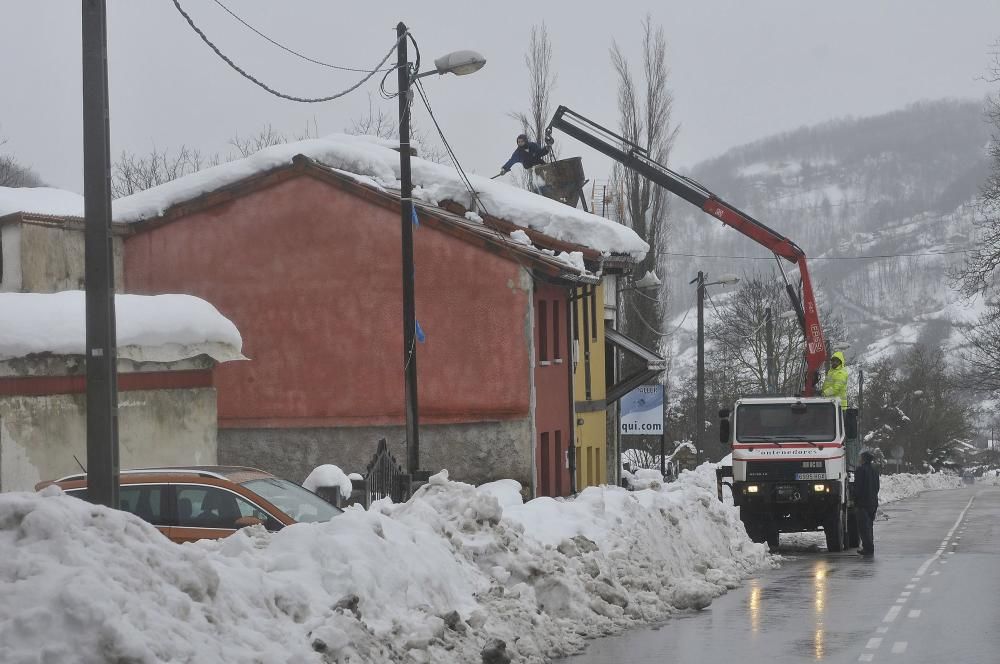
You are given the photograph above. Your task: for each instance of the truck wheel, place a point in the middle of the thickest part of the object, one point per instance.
(853, 536)
(835, 532)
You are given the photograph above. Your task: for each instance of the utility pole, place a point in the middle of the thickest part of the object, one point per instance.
(699, 409)
(772, 369)
(406, 219)
(102, 347)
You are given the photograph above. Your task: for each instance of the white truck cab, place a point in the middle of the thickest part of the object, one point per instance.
(790, 466)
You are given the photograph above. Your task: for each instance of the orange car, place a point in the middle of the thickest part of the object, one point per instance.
(209, 502)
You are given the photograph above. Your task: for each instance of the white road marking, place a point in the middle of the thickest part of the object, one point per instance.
(927, 563)
(914, 613)
(935, 572)
(951, 553)
(866, 658)
(874, 642)
(899, 647)
(881, 630)
(924, 591)
(915, 579)
(901, 600)
(905, 593)
(893, 612)
(911, 586)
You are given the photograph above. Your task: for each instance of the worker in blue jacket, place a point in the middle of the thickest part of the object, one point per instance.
(528, 154)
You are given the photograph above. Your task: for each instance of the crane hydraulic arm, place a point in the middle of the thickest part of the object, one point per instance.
(636, 158)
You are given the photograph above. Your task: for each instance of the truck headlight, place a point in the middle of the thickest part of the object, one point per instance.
(752, 488)
(819, 487)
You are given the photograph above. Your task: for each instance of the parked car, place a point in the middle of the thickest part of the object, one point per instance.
(209, 502)
(968, 477)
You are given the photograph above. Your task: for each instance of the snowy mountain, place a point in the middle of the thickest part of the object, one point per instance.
(882, 206)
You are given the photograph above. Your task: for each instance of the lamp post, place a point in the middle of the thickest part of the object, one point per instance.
(699, 409)
(459, 63)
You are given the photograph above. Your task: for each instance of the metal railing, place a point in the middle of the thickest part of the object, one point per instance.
(384, 478)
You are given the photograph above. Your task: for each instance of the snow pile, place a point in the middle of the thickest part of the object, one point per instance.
(150, 328)
(40, 200)
(643, 478)
(905, 485)
(373, 160)
(328, 476)
(436, 579)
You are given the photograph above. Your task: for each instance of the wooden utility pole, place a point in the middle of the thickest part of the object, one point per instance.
(102, 352)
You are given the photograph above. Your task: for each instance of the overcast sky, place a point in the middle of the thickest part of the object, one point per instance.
(741, 70)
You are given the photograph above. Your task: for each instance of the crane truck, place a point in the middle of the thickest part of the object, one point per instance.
(791, 454)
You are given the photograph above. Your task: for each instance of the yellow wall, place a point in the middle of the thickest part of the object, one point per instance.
(591, 436)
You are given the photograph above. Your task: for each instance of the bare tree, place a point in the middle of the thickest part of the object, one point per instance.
(133, 173)
(376, 122)
(541, 83)
(645, 108)
(982, 262)
(739, 341)
(14, 174)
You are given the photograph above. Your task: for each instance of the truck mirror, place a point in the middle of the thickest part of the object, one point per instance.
(851, 423)
(724, 428)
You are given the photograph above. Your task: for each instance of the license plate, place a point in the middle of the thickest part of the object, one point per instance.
(810, 476)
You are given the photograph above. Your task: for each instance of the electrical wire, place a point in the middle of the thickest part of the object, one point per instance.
(655, 331)
(271, 90)
(288, 49)
(819, 258)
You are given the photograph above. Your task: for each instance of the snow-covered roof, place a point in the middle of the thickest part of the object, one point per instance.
(150, 328)
(40, 200)
(373, 163)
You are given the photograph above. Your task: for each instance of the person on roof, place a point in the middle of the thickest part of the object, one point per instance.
(835, 383)
(528, 154)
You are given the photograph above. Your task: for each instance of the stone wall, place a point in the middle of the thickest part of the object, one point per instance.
(475, 452)
(39, 435)
(51, 258)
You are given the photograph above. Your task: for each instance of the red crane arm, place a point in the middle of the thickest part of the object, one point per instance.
(636, 158)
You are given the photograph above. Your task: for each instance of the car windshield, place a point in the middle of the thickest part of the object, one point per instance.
(301, 504)
(786, 422)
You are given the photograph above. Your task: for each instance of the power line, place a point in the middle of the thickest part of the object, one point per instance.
(820, 258)
(266, 87)
(288, 49)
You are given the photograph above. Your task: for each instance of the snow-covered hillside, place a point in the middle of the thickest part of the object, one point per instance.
(882, 207)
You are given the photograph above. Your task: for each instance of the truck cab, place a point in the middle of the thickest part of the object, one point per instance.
(790, 469)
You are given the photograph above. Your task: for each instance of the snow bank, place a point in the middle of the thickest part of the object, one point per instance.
(329, 475)
(40, 200)
(373, 160)
(432, 580)
(150, 328)
(906, 485)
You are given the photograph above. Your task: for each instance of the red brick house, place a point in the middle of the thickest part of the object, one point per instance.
(304, 259)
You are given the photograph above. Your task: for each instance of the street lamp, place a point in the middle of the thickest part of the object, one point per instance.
(459, 63)
(699, 411)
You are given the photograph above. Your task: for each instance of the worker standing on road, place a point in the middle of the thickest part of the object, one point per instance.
(866, 485)
(835, 383)
(529, 154)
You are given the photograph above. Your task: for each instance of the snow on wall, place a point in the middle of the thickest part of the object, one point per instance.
(373, 163)
(157, 328)
(40, 200)
(430, 580)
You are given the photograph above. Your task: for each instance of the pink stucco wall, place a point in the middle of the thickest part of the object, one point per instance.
(310, 274)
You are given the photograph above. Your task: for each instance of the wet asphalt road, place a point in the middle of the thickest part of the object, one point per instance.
(931, 594)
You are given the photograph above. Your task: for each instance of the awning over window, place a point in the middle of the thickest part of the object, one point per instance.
(655, 365)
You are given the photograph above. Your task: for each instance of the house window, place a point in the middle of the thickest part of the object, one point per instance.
(545, 488)
(558, 456)
(555, 331)
(593, 312)
(543, 331)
